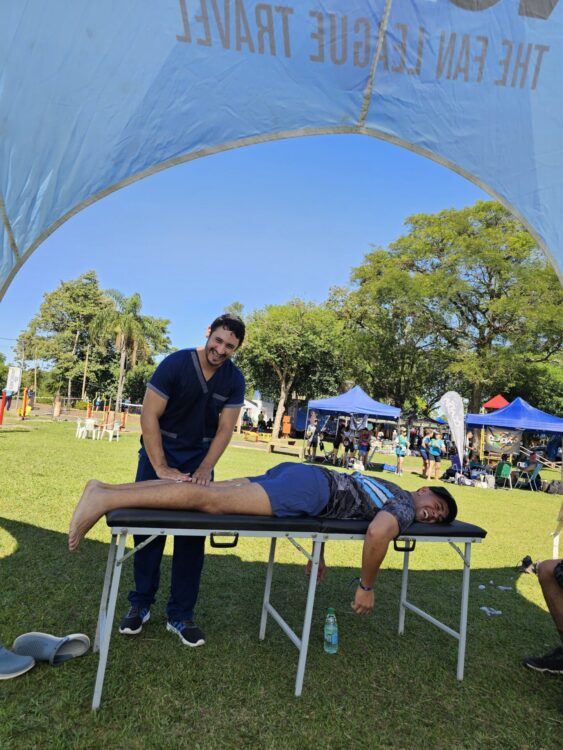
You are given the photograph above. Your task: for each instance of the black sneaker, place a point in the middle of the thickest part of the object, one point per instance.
(133, 622)
(552, 662)
(189, 633)
(527, 565)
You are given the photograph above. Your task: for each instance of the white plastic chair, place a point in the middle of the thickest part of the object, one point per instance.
(79, 429)
(111, 430)
(90, 428)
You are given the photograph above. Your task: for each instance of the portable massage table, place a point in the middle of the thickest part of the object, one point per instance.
(225, 530)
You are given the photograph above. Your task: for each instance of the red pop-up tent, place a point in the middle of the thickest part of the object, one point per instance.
(497, 402)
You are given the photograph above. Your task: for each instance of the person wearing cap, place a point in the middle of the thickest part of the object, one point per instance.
(288, 490)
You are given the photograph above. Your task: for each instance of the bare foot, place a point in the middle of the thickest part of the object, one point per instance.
(86, 513)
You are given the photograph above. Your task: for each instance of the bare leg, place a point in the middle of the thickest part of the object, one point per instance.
(160, 482)
(235, 496)
(552, 592)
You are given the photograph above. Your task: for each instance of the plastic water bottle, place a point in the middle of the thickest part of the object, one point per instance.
(331, 632)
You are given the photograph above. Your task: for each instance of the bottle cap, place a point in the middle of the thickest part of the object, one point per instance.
(330, 611)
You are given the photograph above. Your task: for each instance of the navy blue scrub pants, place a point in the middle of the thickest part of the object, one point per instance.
(187, 562)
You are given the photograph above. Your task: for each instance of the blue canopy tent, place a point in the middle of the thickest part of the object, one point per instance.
(355, 401)
(518, 415)
(96, 95)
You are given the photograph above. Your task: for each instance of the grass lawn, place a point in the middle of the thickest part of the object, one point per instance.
(380, 690)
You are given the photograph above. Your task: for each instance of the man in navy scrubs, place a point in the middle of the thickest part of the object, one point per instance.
(190, 410)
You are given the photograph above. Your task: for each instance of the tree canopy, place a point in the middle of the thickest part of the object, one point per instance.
(464, 299)
(135, 337)
(292, 348)
(77, 339)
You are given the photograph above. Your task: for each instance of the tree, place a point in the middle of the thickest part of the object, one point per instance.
(3, 371)
(136, 381)
(236, 308)
(292, 347)
(388, 350)
(540, 385)
(58, 336)
(136, 337)
(469, 291)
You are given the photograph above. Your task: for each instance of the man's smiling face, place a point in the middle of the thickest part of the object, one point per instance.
(430, 508)
(221, 345)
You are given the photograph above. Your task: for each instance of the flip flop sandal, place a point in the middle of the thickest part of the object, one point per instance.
(49, 648)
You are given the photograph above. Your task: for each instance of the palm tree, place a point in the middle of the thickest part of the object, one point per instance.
(136, 336)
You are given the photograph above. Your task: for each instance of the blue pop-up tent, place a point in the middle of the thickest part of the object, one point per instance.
(518, 415)
(96, 95)
(355, 402)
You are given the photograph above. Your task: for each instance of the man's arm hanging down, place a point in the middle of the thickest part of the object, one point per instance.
(381, 532)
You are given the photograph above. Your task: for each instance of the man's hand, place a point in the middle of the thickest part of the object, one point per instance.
(167, 472)
(363, 602)
(202, 476)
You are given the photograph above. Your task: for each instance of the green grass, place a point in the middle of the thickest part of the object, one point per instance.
(380, 690)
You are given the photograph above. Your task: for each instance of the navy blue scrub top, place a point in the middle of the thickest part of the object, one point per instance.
(191, 417)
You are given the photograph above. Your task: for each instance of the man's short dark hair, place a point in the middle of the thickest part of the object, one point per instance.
(232, 323)
(449, 500)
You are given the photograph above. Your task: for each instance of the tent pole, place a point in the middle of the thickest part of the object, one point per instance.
(305, 434)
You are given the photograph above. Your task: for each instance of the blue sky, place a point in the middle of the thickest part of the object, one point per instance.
(258, 225)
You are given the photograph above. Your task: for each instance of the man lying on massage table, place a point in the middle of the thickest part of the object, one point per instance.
(287, 490)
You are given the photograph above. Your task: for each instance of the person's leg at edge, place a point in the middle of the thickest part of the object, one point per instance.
(553, 595)
(552, 592)
(235, 496)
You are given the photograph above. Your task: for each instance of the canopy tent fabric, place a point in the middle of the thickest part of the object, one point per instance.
(355, 401)
(497, 402)
(97, 95)
(518, 415)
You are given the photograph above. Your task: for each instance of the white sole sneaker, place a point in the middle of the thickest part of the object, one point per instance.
(128, 631)
(171, 629)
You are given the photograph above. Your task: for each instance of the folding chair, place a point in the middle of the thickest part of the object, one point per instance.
(503, 474)
(327, 455)
(530, 478)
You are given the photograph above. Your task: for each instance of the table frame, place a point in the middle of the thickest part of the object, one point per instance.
(405, 544)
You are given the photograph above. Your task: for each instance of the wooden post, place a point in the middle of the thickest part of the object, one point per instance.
(24, 402)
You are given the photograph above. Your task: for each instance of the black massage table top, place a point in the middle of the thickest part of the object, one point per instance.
(185, 519)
